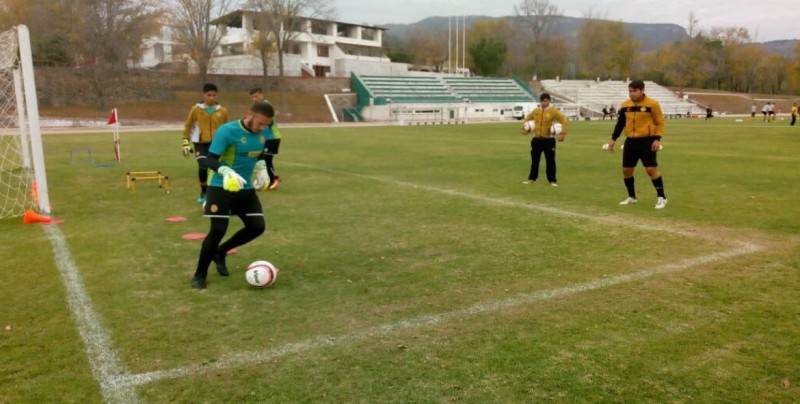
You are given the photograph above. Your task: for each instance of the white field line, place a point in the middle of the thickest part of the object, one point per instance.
(256, 357)
(605, 220)
(104, 362)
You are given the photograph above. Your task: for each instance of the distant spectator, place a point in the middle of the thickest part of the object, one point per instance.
(794, 114)
(606, 113)
(771, 111)
(613, 112)
(709, 113)
(753, 111)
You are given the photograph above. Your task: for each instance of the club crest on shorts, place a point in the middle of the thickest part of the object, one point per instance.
(214, 208)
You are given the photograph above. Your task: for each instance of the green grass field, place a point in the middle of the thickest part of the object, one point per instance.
(416, 267)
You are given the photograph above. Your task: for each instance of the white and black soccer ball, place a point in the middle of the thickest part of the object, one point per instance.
(556, 128)
(528, 126)
(261, 274)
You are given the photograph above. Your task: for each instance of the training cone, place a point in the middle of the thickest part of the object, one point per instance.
(33, 217)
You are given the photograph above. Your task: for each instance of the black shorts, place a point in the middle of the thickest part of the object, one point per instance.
(639, 148)
(201, 149)
(271, 146)
(222, 204)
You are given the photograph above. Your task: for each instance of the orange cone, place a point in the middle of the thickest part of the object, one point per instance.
(33, 217)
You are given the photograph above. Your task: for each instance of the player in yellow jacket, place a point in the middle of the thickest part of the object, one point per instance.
(643, 123)
(794, 113)
(199, 129)
(548, 125)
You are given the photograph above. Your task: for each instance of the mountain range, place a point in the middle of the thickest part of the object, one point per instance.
(652, 36)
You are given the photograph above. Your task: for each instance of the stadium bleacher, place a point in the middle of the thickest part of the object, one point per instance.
(477, 89)
(431, 89)
(406, 89)
(594, 95)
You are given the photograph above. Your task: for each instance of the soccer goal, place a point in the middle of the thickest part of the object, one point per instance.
(23, 182)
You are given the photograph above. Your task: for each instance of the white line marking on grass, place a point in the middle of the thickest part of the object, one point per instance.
(256, 357)
(104, 362)
(609, 220)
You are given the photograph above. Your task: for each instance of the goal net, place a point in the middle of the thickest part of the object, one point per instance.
(23, 183)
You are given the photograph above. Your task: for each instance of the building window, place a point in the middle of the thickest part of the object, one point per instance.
(319, 27)
(367, 34)
(322, 51)
(158, 50)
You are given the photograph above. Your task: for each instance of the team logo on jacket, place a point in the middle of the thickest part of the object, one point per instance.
(643, 109)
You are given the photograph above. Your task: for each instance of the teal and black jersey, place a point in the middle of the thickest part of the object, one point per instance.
(239, 149)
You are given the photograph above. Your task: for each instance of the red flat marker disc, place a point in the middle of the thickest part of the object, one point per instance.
(176, 219)
(232, 251)
(194, 236)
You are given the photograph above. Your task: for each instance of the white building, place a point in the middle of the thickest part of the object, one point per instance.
(322, 48)
(160, 49)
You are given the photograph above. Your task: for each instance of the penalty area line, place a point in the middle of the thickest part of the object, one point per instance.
(103, 360)
(607, 220)
(256, 357)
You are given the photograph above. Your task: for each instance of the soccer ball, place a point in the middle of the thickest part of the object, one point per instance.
(556, 129)
(261, 274)
(528, 126)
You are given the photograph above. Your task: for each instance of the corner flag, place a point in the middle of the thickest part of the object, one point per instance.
(114, 120)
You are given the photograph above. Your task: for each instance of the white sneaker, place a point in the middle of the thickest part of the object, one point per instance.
(661, 203)
(554, 184)
(628, 201)
(528, 182)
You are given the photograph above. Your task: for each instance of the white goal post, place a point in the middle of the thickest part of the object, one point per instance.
(23, 181)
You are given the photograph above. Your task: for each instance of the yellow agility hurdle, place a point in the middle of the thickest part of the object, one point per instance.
(133, 176)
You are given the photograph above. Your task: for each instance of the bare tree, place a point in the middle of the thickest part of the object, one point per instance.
(192, 19)
(284, 19)
(264, 44)
(536, 18)
(111, 32)
(693, 27)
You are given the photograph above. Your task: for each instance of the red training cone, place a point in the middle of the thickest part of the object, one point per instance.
(33, 217)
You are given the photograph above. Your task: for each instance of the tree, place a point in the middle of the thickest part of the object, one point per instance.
(192, 19)
(112, 31)
(795, 69)
(606, 49)
(535, 20)
(264, 43)
(283, 19)
(775, 70)
(487, 55)
(484, 40)
(746, 65)
(428, 48)
(53, 26)
(721, 45)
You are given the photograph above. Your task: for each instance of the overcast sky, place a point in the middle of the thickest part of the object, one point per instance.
(767, 20)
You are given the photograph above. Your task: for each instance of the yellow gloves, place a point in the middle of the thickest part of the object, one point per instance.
(231, 181)
(187, 148)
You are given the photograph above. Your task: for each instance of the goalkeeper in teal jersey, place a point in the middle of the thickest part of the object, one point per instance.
(272, 144)
(235, 153)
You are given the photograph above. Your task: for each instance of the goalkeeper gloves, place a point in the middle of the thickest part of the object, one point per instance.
(231, 181)
(187, 148)
(261, 179)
